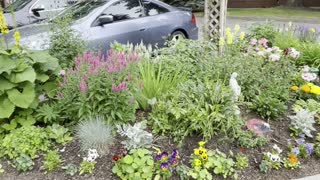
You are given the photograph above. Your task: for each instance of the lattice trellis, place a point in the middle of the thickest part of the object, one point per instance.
(215, 18)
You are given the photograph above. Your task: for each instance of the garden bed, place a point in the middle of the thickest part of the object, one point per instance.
(103, 169)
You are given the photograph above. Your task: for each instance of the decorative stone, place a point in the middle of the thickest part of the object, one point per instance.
(258, 126)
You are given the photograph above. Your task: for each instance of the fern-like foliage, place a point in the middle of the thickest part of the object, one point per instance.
(95, 134)
(137, 137)
(47, 114)
(303, 121)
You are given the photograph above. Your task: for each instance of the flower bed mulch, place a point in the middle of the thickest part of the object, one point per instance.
(104, 164)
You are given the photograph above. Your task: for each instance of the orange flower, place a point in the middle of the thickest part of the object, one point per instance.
(293, 159)
(294, 88)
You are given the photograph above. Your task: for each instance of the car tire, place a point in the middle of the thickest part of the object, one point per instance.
(177, 35)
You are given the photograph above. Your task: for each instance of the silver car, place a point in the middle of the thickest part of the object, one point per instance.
(102, 22)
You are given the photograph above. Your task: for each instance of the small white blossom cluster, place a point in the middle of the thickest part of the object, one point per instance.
(92, 155)
(260, 48)
(308, 75)
(292, 52)
(275, 155)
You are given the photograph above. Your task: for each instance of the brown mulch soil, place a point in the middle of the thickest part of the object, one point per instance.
(104, 164)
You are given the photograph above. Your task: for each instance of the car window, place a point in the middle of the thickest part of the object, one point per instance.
(153, 8)
(124, 9)
(51, 4)
(17, 5)
(82, 9)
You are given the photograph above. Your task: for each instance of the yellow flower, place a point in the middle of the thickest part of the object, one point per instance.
(315, 90)
(221, 41)
(197, 162)
(204, 156)
(228, 31)
(310, 84)
(242, 35)
(3, 24)
(17, 38)
(236, 28)
(202, 151)
(312, 30)
(196, 152)
(202, 143)
(294, 88)
(230, 38)
(305, 88)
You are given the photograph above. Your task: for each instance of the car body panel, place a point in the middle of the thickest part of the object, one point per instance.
(153, 29)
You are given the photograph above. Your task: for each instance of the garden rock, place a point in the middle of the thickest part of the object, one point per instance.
(258, 126)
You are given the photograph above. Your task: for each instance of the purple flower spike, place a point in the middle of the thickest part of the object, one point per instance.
(309, 148)
(296, 151)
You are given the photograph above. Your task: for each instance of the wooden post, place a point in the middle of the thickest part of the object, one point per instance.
(215, 19)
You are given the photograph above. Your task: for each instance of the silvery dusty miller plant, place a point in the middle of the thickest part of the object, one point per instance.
(95, 134)
(303, 121)
(137, 137)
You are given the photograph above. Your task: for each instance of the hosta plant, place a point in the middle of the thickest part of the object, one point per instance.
(137, 164)
(95, 133)
(302, 122)
(136, 136)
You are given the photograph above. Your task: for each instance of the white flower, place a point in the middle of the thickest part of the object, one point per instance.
(261, 53)
(274, 57)
(276, 147)
(306, 68)
(269, 50)
(62, 72)
(273, 157)
(309, 76)
(294, 53)
(276, 49)
(42, 98)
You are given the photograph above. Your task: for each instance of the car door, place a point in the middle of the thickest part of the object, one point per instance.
(124, 28)
(159, 24)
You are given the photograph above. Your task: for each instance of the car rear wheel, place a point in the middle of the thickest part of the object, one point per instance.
(177, 35)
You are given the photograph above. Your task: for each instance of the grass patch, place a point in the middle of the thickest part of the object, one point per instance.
(282, 12)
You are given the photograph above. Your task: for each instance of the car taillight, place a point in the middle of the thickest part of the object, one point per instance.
(193, 19)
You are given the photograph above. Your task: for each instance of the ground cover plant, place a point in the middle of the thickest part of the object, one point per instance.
(180, 112)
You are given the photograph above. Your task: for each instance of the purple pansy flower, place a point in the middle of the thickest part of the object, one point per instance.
(300, 141)
(296, 151)
(164, 155)
(164, 166)
(309, 148)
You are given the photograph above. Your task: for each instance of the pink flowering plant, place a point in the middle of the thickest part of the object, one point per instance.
(99, 85)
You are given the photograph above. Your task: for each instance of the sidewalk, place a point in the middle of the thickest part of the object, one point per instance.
(315, 177)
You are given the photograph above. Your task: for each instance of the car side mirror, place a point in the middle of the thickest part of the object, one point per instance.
(35, 11)
(105, 19)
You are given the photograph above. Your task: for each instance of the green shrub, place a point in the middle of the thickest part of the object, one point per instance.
(154, 82)
(51, 161)
(25, 143)
(65, 43)
(206, 108)
(310, 54)
(285, 40)
(99, 86)
(265, 30)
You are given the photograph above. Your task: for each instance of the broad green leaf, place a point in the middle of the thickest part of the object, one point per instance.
(27, 75)
(6, 107)
(46, 61)
(11, 126)
(128, 159)
(42, 77)
(6, 64)
(5, 84)
(26, 122)
(129, 170)
(50, 88)
(22, 99)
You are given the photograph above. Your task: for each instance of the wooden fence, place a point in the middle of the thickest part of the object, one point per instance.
(267, 3)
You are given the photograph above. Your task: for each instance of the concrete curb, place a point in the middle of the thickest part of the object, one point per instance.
(315, 177)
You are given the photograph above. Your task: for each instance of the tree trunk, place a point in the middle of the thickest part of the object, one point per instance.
(294, 3)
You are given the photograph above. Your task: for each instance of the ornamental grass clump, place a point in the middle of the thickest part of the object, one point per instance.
(95, 134)
(99, 85)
